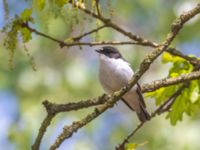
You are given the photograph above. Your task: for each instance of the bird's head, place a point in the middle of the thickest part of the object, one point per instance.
(110, 52)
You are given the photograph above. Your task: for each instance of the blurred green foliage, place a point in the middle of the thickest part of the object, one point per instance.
(70, 74)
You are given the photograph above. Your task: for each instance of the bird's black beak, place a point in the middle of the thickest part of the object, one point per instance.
(99, 51)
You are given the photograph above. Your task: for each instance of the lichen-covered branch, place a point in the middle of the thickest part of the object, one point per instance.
(170, 81)
(52, 109)
(57, 108)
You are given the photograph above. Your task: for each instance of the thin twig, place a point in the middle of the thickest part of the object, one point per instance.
(26, 25)
(161, 108)
(6, 10)
(122, 145)
(97, 7)
(77, 38)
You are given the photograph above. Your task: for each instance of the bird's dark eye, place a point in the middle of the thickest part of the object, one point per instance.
(108, 52)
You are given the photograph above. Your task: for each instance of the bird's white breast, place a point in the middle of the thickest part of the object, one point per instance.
(114, 73)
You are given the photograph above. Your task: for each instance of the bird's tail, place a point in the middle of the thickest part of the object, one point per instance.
(143, 115)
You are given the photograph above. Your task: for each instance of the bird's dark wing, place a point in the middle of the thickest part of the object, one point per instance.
(140, 95)
(127, 104)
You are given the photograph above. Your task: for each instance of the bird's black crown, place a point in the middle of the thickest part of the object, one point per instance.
(110, 51)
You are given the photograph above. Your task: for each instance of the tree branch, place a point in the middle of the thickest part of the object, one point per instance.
(141, 41)
(193, 60)
(158, 111)
(52, 109)
(57, 108)
(170, 81)
(62, 43)
(109, 23)
(176, 26)
(46, 122)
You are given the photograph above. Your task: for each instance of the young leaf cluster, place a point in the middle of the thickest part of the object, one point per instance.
(188, 101)
(13, 29)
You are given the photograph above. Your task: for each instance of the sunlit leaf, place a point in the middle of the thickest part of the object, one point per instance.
(162, 94)
(185, 103)
(25, 15)
(177, 110)
(131, 146)
(194, 91)
(61, 3)
(40, 4)
(166, 57)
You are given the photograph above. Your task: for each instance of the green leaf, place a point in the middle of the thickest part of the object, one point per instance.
(187, 103)
(61, 3)
(194, 91)
(177, 111)
(180, 67)
(162, 94)
(166, 57)
(40, 4)
(26, 14)
(131, 146)
(189, 98)
(69, 40)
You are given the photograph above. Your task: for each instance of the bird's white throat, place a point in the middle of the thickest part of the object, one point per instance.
(112, 62)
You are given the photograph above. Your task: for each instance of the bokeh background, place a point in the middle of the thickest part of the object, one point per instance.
(71, 74)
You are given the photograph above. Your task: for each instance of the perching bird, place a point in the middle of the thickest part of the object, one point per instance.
(114, 73)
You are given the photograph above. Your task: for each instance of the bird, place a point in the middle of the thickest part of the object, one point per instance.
(114, 73)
